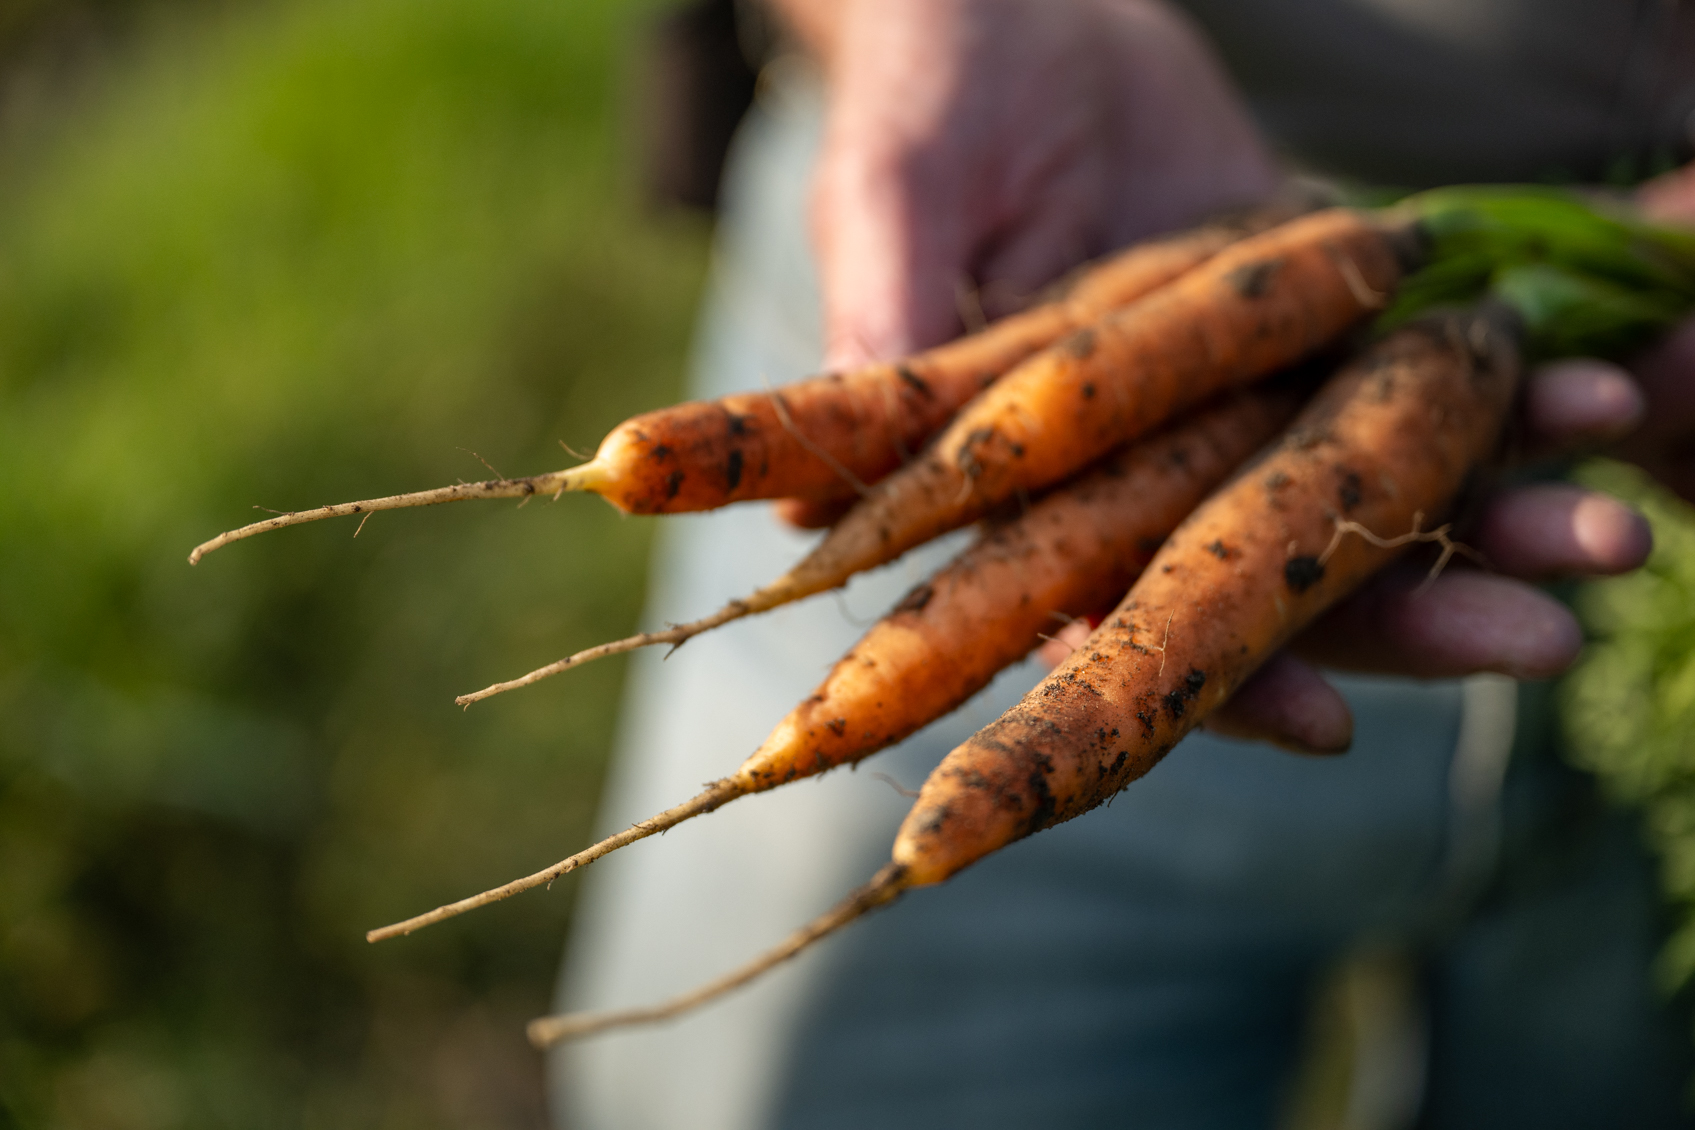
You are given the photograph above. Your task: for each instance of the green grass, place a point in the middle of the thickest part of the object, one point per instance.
(290, 255)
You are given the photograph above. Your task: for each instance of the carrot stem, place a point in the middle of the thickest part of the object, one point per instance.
(883, 889)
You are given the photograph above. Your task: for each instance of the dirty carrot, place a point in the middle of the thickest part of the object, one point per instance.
(1254, 308)
(826, 436)
(1384, 447)
(1390, 440)
(1072, 554)
(837, 434)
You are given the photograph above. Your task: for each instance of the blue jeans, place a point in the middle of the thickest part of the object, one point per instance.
(1152, 966)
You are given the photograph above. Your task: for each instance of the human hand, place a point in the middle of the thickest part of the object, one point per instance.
(992, 144)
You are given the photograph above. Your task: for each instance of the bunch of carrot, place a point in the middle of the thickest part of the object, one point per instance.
(1198, 512)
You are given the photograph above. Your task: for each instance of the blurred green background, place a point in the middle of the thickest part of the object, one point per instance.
(290, 252)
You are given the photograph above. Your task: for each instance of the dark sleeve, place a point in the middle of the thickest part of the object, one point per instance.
(1422, 92)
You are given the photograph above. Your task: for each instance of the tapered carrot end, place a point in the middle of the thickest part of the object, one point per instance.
(773, 595)
(718, 793)
(590, 476)
(883, 889)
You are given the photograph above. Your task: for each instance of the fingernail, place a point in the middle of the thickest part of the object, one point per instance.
(1542, 651)
(1614, 536)
(1320, 743)
(1582, 399)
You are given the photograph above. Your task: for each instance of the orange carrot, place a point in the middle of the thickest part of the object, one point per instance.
(1387, 444)
(1070, 555)
(827, 437)
(1254, 308)
(817, 438)
(1390, 440)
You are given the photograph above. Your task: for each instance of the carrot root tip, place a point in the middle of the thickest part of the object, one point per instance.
(713, 796)
(886, 886)
(591, 476)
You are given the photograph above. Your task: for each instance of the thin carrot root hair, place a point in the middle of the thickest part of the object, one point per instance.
(886, 886)
(586, 477)
(1438, 536)
(714, 795)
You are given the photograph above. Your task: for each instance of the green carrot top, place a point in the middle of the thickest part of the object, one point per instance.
(1589, 277)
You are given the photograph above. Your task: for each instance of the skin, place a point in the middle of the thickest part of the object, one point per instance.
(1001, 141)
(998, 142)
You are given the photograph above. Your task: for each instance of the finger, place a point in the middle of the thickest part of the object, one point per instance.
(1462, 623)
(1581, 402)
(887, 220)
(1557, 530)
(813, 513)
(1042, 245)
(1663, 445)
(1289, 704)
(1062, 643)
(888, 285)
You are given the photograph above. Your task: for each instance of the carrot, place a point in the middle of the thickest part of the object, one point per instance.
(1391, 439)
(821, 438)
(826, 437)
(1070, 555)
(1254, 308)
(1387, 444)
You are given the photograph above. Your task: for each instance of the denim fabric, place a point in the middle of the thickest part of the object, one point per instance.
(1151, 966)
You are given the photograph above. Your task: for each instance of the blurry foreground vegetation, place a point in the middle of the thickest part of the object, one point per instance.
(1630, 705)
(288, 253)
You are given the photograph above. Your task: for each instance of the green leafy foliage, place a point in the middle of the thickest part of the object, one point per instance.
(1588, 278)
(292, 254)
(1629, 707)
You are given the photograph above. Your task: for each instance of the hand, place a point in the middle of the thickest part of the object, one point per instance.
(992, 144)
